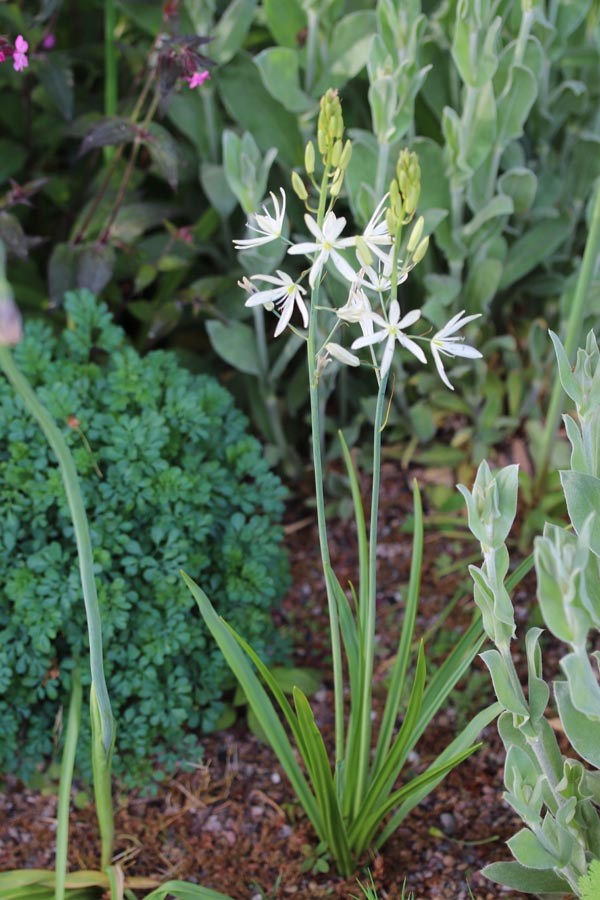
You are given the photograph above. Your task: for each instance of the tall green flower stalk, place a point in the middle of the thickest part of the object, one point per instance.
(356, 803)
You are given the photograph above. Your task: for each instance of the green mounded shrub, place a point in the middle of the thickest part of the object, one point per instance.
(171, 479)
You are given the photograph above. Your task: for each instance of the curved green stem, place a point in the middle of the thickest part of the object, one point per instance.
(82, 537)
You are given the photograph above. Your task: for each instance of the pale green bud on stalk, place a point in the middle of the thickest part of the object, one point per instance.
(299, 186)
(346, 155)
(415, 235)
(336, 154)
(336, 184)
(309, 158)
(420, 251)
(408, 174)
(362, 251)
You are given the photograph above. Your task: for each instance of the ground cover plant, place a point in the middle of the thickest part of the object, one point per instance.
(171, 478)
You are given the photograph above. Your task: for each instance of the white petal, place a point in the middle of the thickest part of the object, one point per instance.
(412, 346)
(271, 279)
(313, 228)
(367, 339)
(246, 243)
(270, 296)
(394, 312)
(440, 366)
(342, 266)
(316, 268)
(305, 248)
(388, 353)
(286, 315)
(410, 318)
(333, 227)
(463, 350)
(303, 310)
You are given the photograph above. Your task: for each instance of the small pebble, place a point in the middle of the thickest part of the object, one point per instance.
(448, 823)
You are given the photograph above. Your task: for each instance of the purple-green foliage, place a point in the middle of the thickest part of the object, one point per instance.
(182, 485)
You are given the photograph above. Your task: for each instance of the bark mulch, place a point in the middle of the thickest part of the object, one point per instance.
(232, 823)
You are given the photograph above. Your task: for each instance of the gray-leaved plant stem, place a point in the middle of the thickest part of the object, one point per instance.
(100, 702)
(589, 265)
(556, 796)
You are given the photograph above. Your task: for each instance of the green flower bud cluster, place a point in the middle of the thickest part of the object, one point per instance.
(404, 191)
(330, 126)
(334, 151)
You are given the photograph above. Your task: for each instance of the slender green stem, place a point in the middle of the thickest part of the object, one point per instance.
(64, 790)
(336, 650)
(369, 620)
(82, 535)
(383, 156)
(110, 66)
(574, 324)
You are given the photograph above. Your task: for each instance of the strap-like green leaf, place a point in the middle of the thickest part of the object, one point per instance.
(370, 823)
(465, 739)
(182, 890)
(317, 763)
(402, 660)
(383, 780)
(258, 701)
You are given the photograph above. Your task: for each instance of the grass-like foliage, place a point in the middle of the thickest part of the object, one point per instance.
(170, 478)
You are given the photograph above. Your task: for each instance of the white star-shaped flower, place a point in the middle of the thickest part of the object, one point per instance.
(268, 227)
(442, 342)
(357, 309)
(326, 245)
(285, 296)
(380, 280)
(392, 331)
(375, 236)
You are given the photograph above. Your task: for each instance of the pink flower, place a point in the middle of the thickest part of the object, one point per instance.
(49, 41)
(2, 57)
(20, 60)
(198, 78)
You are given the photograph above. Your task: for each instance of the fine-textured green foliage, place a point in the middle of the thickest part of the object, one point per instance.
(170, 478)
(556, 796)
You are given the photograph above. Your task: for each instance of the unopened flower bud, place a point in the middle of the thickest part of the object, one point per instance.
(299, 186)
(342, 355)
(365, 256)
(336, 184)
(346, 154)
(408, 175)
(336, 154)
(420, 251)
(331, 122)
(309, 158)
(415, 235)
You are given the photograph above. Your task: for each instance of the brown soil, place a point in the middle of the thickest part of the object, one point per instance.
(232, 823)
